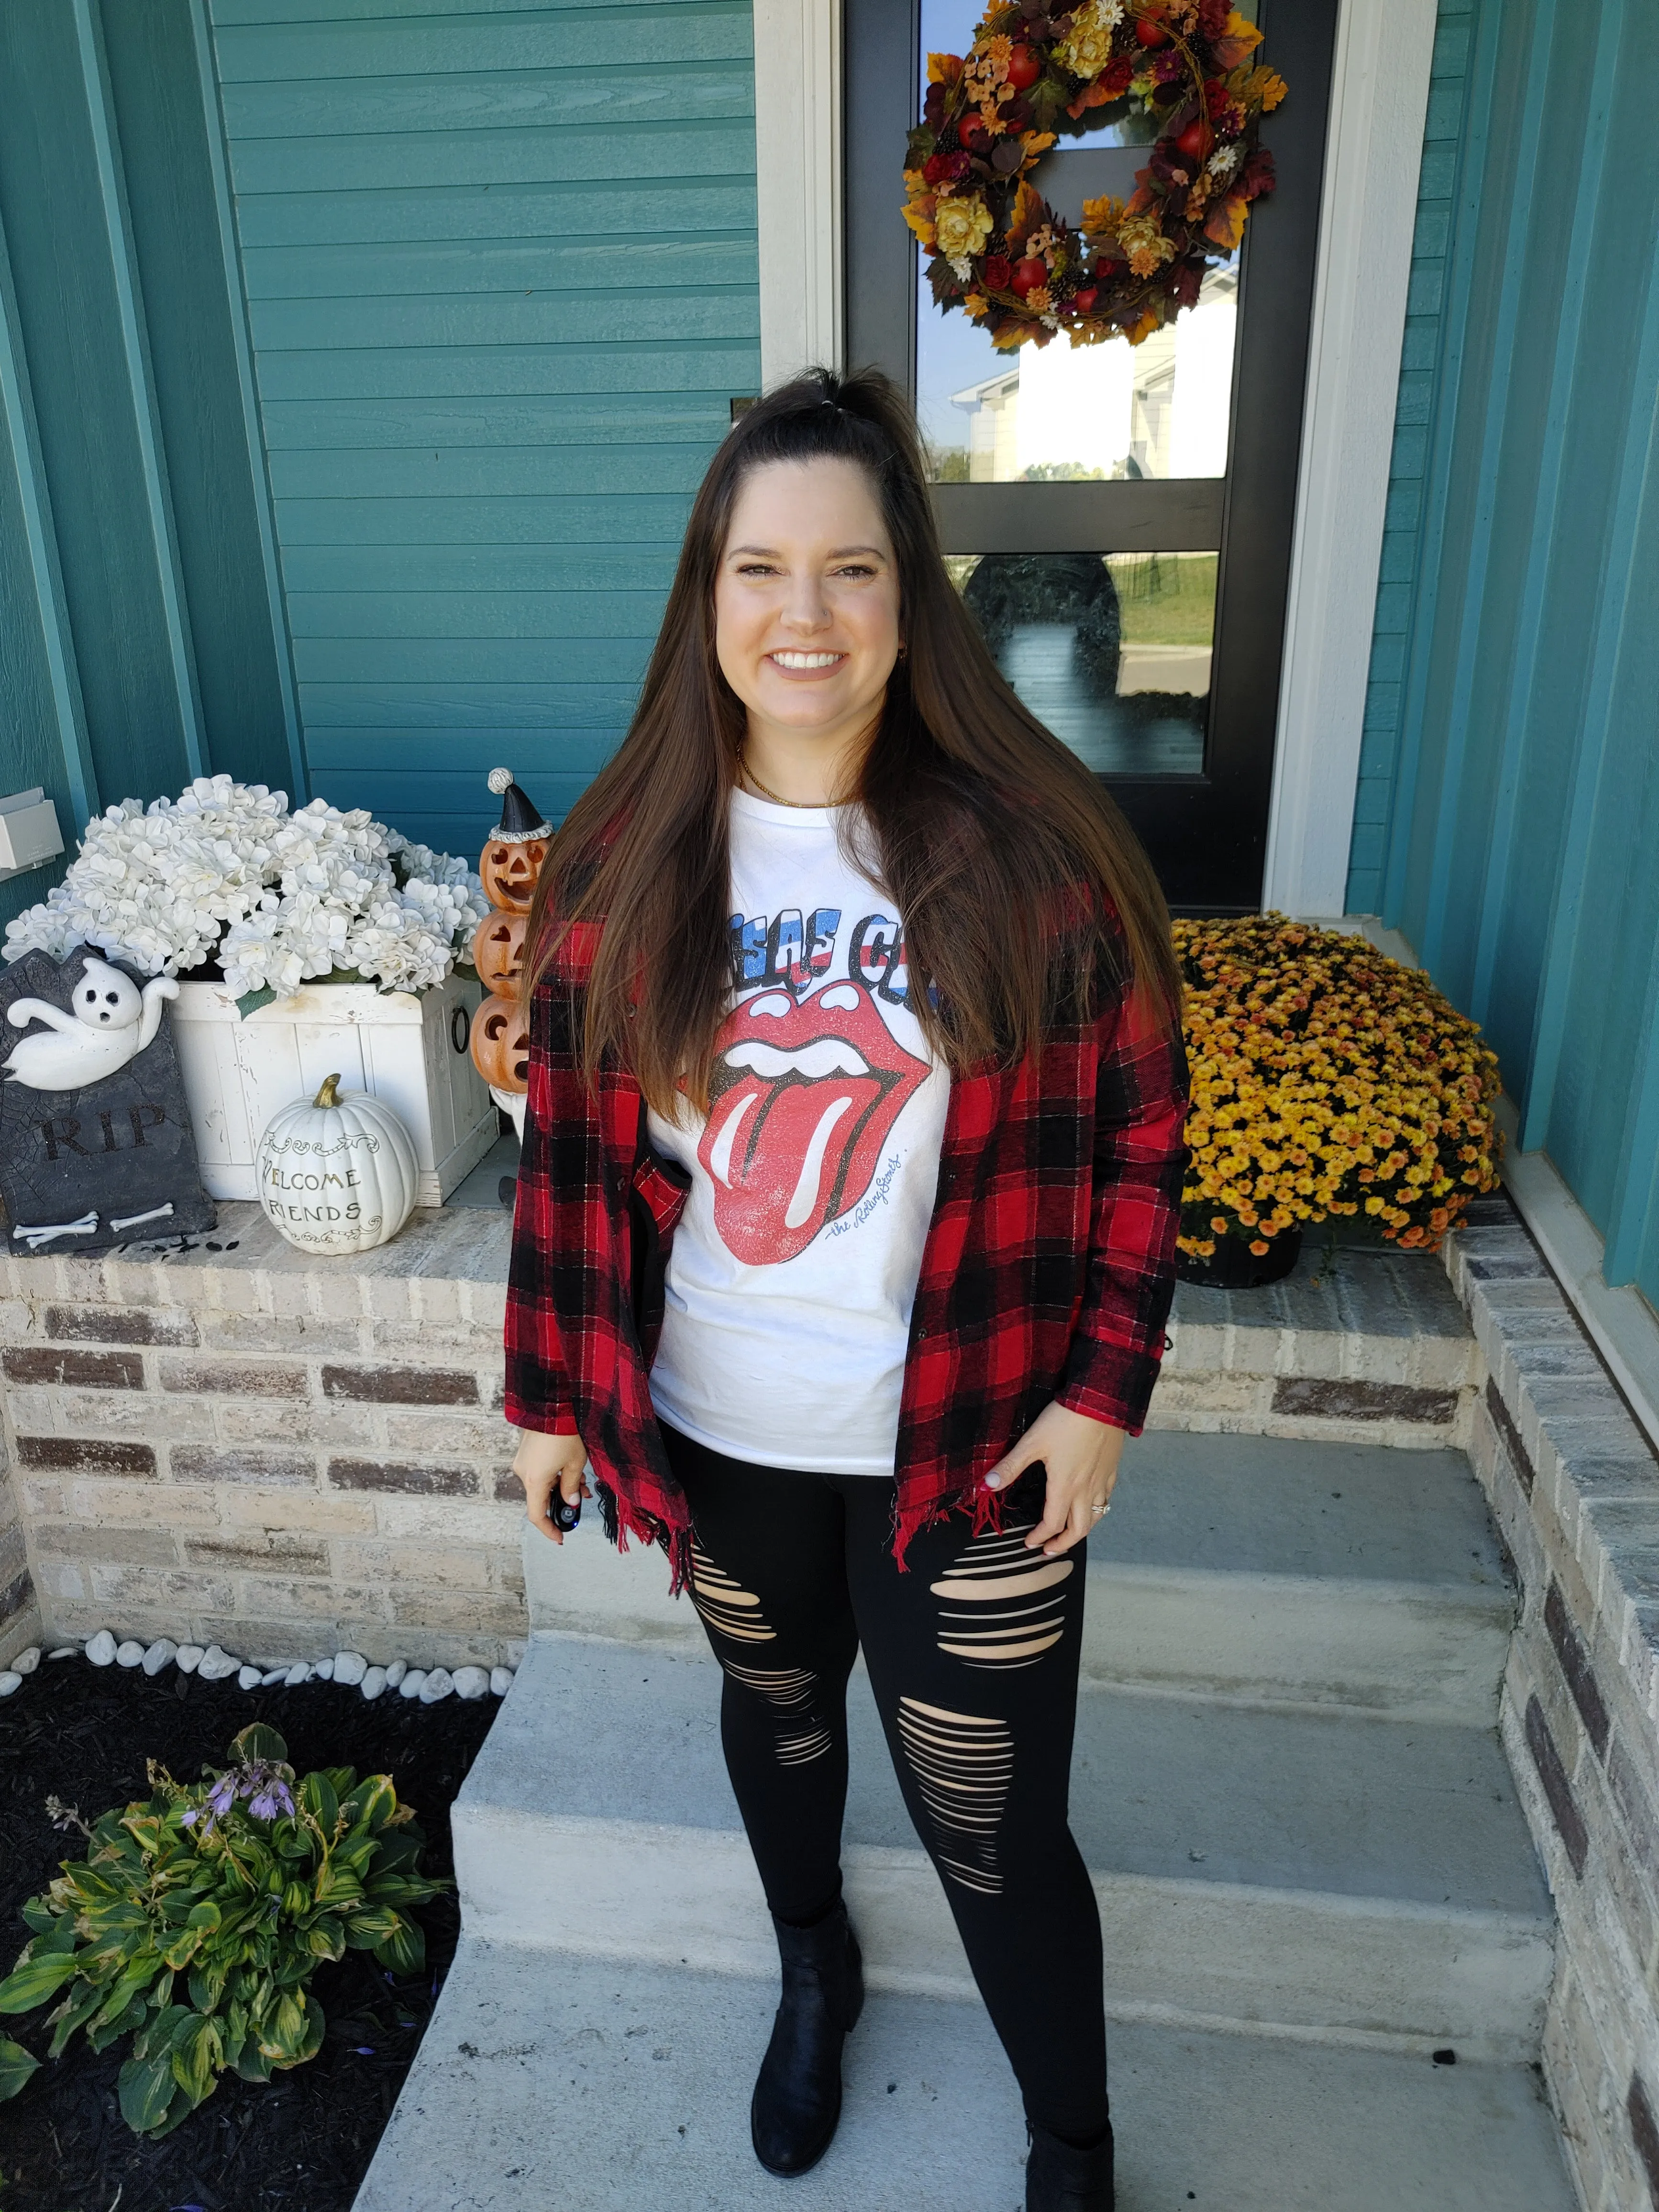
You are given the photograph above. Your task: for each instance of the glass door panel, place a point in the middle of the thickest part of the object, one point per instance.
(1061, 413)
(1111, 651)
(1119, 519)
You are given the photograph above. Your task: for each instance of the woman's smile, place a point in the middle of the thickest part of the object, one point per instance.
(791, 662)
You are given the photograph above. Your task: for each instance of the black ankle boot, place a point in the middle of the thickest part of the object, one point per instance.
(1059, 2178)
(797, 2099)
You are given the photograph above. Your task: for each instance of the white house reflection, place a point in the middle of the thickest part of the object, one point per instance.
(1062, 412)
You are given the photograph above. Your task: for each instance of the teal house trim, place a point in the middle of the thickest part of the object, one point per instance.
(501, 289)
(1507, 817)
(139, 648)
(357, 366)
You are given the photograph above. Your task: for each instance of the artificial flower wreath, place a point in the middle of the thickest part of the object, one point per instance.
(999, 252)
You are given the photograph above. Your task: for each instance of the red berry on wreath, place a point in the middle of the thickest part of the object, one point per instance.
(1024, 68)
(1028, 274)
(1084, 299)
(1195, 139)
(1150, 33)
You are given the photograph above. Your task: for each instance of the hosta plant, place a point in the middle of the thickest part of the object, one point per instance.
(196, 1922)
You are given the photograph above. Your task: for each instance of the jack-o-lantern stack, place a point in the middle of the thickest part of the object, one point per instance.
(509, 865)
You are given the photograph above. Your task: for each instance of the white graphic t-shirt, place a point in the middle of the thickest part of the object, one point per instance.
(795, 1265)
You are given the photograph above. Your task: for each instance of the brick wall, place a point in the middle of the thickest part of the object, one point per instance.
(1574, 1486)
(20, 1616)
(1363, 1347)
(284, 1455)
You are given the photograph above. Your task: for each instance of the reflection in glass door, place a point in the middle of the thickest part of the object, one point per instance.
(1118, 519)
(1084, 414)
(1111, 651)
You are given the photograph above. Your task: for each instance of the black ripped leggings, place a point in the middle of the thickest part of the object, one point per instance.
(973, 1657)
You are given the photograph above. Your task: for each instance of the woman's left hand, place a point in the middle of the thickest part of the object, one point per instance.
(1081, 1457)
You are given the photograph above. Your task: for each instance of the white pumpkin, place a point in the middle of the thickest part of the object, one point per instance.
(338, 1173)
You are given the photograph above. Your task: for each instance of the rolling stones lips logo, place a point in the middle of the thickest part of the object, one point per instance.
(804, 1098)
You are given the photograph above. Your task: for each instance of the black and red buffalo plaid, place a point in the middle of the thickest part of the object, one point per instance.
(1048, 1270)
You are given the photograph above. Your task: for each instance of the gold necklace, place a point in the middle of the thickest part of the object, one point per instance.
(801, 805)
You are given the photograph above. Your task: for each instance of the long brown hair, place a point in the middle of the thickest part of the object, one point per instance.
(992, 838)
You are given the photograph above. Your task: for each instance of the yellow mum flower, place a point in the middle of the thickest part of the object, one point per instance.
(961, 226)
(1323, 1071)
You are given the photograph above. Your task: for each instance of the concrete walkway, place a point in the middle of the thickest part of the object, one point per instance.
(1312, 1870)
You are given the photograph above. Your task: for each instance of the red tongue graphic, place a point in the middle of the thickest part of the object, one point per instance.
(789, 1150)
(796, 1146)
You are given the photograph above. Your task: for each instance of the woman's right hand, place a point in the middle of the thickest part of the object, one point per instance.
(544, 1464)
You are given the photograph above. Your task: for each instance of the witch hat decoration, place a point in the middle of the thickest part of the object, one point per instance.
(519, 820)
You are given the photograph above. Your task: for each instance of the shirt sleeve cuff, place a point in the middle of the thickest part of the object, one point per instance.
(1115, 1388)
(548, 1420)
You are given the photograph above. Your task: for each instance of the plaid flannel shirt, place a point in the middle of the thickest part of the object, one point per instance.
(1048, 1270)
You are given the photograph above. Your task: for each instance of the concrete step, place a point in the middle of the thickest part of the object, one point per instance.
(1251, 1568)
(601, 2086)
(1325, 1872)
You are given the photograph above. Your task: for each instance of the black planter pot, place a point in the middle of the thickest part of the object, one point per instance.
(1234, 1266)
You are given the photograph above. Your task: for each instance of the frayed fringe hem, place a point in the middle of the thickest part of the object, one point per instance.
(621, 1521)
(986, 1507)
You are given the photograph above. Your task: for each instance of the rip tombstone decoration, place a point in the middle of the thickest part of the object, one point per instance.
(96, 1148)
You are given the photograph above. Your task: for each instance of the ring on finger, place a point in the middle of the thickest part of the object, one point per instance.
(1097, 1511)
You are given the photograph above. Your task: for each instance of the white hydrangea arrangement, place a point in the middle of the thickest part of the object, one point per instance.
(226, 872)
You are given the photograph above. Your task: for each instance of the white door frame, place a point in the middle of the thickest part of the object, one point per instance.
(1379, 100)
(798, 168)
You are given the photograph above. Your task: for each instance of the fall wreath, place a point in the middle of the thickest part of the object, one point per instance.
(999, 251)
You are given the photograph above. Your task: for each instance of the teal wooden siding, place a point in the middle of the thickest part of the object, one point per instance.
(1425, 302)
(138, 643)
(499, 266)
(1515, 840)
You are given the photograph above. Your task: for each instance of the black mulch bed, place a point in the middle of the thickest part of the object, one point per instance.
(82, 1733)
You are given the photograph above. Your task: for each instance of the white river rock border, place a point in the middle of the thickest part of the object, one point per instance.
(348, 1668)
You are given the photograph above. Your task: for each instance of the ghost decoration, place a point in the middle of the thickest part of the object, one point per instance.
(97, 1148)
(112, 1022)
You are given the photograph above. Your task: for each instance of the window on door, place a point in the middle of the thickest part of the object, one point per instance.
(1118, 519)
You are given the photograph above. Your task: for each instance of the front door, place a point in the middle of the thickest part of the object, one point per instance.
(1120, 520)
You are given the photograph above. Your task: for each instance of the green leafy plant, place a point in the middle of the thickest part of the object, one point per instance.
(197, 1920)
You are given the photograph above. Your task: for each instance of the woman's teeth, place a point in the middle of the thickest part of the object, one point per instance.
(806, 659)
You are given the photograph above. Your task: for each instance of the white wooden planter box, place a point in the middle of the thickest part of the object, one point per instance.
(409, 1048)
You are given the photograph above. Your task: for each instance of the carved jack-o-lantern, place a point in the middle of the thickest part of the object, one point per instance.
(509, 865)
(500, 1044)
(498, 952)
(509, 870)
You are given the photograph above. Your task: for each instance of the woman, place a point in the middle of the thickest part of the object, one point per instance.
(847, 974)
